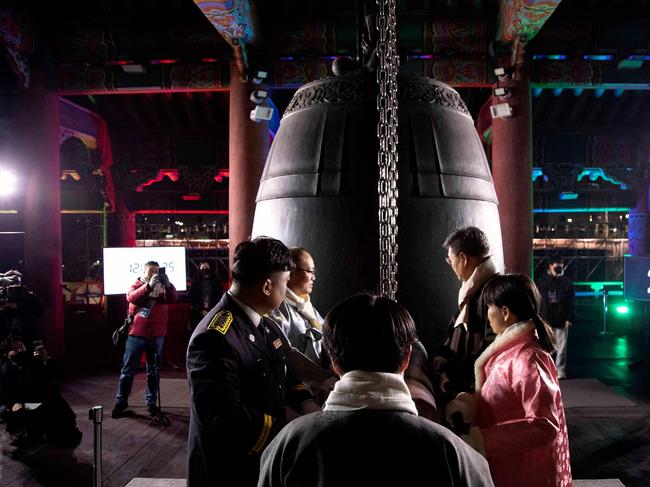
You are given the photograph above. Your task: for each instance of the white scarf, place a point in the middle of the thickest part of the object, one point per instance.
(482, 273)
(509, 335)
(361, 389)
(304, 307)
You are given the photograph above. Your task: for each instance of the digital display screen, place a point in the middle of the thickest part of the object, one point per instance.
(123, 265)
(636, 282)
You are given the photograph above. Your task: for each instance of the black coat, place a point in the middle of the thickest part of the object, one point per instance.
(558, 299)
(239, 386)
(370, 448)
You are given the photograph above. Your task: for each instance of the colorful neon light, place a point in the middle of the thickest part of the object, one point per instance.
(582, 210)
(172, 174)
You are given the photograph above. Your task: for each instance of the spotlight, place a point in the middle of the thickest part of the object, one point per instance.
(503, 72)
(502, 110)
(261, 113)
(258, 96)
(259, 77)
(8, 182)
(503, 93)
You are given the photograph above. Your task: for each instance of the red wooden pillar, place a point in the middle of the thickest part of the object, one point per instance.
(37, 149)
(121, 225)
(512, 170)
(248, 147)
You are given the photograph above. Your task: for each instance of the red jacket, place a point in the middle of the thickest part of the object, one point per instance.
(156, 324)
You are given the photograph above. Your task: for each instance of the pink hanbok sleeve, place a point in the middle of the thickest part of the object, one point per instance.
(529, 418)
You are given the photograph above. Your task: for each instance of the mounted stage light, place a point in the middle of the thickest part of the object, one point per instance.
(8, 182)
(503, 93)
(259, 77)
(261, 114)
(259, 96)
(134, 68)
(504, 72)
(502, 110)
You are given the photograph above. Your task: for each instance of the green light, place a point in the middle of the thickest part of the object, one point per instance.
(597, 286)
(622, 309)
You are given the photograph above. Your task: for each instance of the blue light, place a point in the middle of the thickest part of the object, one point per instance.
(557, 91)
(598, 92)
(537, 92)
(537, 172)
(578, 91)
(597, 172)
(618, 92)
(568, 196)
(639, 57)
(551, 57)
(598, 57)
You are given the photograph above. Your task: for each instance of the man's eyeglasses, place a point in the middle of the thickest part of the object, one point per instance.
(313, 273)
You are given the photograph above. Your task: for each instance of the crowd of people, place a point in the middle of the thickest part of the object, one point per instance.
(494, 384)
(282, 396)
(31, 405)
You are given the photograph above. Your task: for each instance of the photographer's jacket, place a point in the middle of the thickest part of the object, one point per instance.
(155, 325)
(239, 385)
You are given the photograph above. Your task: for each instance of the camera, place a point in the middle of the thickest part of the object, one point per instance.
(162, 271)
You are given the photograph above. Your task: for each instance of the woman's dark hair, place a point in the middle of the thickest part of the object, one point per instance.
(368, 332)
(255, 260)
(519, 293)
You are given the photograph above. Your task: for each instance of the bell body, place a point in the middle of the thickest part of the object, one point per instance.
(319, 191)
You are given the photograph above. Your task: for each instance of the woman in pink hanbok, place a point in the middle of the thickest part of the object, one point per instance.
(517, 405)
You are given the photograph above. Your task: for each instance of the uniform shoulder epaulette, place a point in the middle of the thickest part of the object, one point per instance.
(221, 321)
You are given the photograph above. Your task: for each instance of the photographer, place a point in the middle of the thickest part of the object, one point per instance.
(20, 308)
(31, 404)
(148, 298)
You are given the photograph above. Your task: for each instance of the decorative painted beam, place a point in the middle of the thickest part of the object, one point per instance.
(523, 18)
(75, 80)
(233, 19)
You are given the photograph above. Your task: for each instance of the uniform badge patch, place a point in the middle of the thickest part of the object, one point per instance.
(221, 321)
(277, 343)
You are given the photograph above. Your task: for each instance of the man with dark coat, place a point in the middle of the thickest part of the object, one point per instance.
(468, 255)
(240, 381)
(205, 293)
(558, 307)
(369, 432)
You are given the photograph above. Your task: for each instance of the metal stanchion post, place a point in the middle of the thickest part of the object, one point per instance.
(95, 414)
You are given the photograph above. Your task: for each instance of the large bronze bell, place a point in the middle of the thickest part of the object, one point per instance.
(319, 191)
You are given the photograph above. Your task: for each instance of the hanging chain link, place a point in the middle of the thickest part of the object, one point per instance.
(387, 157)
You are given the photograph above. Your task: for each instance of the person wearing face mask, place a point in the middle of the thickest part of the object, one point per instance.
(558, 307)
(205, 292)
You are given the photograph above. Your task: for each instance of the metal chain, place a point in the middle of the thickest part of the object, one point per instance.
(387, 157)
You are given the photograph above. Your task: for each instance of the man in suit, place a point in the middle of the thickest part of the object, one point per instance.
(240, 381)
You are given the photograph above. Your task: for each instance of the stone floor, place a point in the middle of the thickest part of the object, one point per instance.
(610, 438)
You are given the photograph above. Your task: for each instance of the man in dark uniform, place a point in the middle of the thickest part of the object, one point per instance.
(237, 367)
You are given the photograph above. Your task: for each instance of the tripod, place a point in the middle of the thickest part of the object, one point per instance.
(159, 418)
